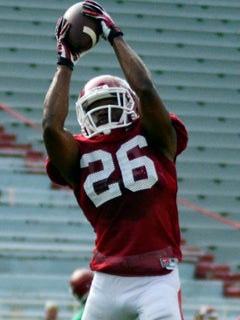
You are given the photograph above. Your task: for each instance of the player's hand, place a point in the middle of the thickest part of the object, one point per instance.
(65, 55)
(109, 28)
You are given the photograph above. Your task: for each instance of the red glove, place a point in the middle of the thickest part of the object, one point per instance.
(109, 28)
(65, 55)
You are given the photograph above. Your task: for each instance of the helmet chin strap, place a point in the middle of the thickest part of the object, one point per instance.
(107, 131)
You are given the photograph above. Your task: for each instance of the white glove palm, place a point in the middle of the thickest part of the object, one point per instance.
(109, 28)
(65, 55)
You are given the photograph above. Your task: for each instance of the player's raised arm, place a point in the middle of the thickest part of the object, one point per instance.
(60, 144)
(76, 34)
(154, 115)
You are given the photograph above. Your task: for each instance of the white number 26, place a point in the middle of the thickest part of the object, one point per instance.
(128, 167)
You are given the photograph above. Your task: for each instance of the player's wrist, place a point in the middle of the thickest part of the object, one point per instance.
(110, 31)
(114, 33)
(65, 62)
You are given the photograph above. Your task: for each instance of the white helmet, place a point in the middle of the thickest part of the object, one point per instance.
(104, 87)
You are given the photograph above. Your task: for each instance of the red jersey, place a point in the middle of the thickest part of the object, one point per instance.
(127, 190)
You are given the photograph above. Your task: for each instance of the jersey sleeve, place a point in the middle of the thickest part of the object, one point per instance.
(182, 135)
(54, 174)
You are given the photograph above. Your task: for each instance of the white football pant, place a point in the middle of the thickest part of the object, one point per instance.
(134, 298)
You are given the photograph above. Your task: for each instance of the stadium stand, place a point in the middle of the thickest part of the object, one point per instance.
(192, 48)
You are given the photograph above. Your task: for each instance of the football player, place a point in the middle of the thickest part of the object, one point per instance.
(122, 170)
(80, 284)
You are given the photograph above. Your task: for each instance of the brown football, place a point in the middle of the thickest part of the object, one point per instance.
(84, 31)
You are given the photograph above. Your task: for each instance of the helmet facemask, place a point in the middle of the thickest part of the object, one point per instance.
(120, 114)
